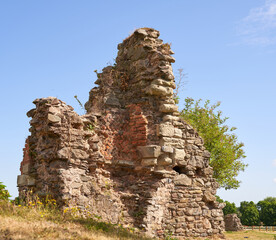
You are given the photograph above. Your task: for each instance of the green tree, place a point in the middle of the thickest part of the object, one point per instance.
(219, 140)
(249, 213)
(4, 194)
(229, 207)
(267, 210)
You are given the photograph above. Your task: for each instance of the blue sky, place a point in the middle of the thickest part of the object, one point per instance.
(227, 49)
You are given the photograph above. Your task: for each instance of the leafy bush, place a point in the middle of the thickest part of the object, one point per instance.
(4, 194)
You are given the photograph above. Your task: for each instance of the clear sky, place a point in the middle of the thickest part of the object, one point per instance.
(227, 49)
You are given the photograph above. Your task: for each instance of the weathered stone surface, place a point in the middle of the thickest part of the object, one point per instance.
(164, 83)
(177, 133)
(167, 149)
(232, 223)
(54, 119)
(164, 160)
(130, 159)
(179, 154)
(182, 180)
(25, 180)
(166, 108)
(26, 168)
(150, 151)
(170, 118)
(165, 130)
(149, 161)
(209, 197)
(159, 90)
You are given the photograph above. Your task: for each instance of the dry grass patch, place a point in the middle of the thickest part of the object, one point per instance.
(16, 228)
(39, 222)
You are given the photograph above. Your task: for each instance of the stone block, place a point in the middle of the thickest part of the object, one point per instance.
(194, 211)
(31, 113)
(149, 161)
(173, 142)
(170, 118)
(138, 53)
(63, 153)
(164, 160)
(182, 180)
(95, 138)
(53, 118)
(208, 197)
(167, 149)
(149, 151)
(198, 182)
(165, 130)
(76, 185)
(159, 90)
(79, 154)
(26, 168)
(178, 133)
(21, 180)
(141, 31)
(232, 223)
(125, 163)
(168, 108)
(25, 180)
(111, 100)
(206, 223)
(53, 110)
(179, 154)
(190, 219)
(164, 83)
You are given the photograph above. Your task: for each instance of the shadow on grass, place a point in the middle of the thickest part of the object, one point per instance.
(111, 230)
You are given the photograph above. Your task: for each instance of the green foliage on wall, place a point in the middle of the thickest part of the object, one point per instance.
(226, 152)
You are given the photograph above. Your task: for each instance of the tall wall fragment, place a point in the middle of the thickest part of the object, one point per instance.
(130, 158)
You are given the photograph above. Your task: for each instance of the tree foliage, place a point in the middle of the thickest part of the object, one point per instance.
(4, 194)
(229, 207)
(249, 213)
(219, 140)
(267, 209)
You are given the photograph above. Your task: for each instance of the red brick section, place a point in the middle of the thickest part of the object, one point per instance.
(26, 155)
(137, 131)
(109, 129)
(124, 132)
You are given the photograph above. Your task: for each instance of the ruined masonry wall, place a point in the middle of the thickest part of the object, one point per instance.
(130, 159)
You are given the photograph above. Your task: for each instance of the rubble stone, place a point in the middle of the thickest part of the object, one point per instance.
(130, 159)
(232, 223)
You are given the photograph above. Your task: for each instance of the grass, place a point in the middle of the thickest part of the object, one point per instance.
(37, 221)
(251, 235)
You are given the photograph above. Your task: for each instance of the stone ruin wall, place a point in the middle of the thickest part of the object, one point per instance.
(130, 159)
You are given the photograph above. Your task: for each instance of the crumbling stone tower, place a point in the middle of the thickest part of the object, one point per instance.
(130, 158)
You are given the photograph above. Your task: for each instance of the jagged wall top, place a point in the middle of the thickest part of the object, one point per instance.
(142, 69)
(131, 158)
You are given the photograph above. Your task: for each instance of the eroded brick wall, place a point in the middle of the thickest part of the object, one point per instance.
(130, 159)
